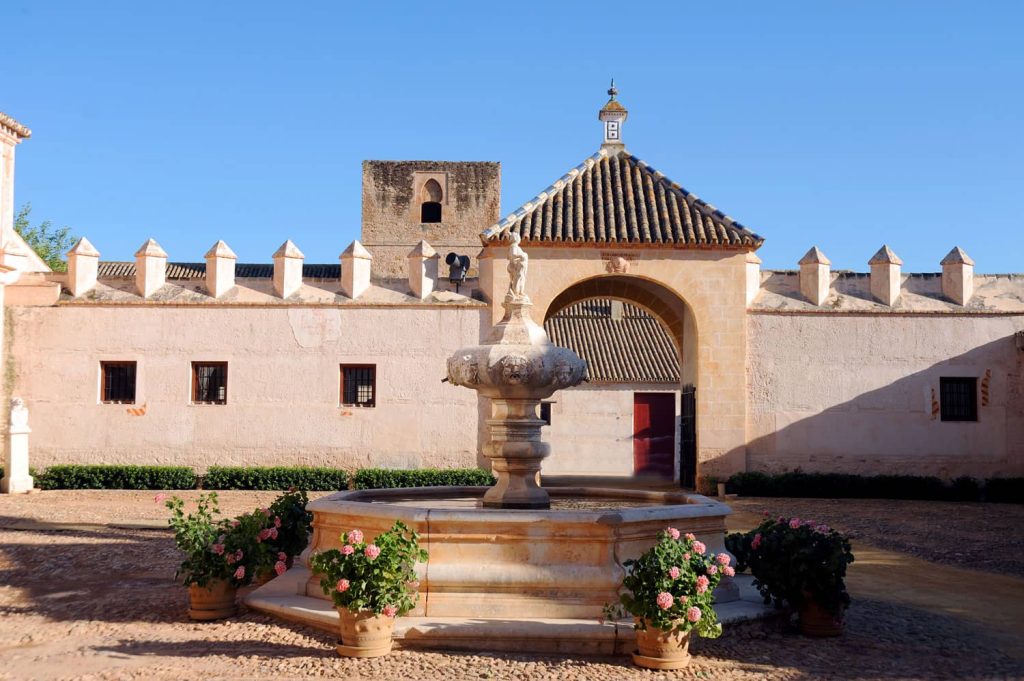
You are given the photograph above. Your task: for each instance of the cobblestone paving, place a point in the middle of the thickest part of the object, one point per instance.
(95, 602)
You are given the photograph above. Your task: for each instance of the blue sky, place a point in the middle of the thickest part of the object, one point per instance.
(844, 125)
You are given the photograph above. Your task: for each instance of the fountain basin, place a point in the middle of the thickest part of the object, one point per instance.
(542, 575)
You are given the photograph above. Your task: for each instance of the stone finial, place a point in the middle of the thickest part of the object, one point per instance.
(220, 269)
(753, 272)
(958, 276)
(288, 261)
(150, 268)
(613, 115)
(83, 267)
(815, 276)
(355, 270)
(885, 276)
(423, 262)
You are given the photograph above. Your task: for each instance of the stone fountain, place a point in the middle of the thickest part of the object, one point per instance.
(514, 567)
(517, 366)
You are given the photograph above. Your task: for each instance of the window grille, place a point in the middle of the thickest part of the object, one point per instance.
(118, 382)
(358, 385)
(958, 398)
(210, 382)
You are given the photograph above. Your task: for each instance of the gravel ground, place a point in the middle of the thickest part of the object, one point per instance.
(978, 536)
(96, 602)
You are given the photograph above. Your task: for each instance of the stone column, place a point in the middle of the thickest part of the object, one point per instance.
(150, 268)
(815, 276)
(958, 276)
(220, 269)
(16, 479)
(516, 452)
(355, 270)
(288, 269)
(885, 276)
(83, 267)
(423, 260)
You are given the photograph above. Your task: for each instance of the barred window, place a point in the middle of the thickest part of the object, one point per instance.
(209, 382)
(117, 382)
(545, 413)
(358, 385)
(958, 398)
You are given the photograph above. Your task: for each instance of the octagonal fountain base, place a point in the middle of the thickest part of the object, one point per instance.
(510, 580)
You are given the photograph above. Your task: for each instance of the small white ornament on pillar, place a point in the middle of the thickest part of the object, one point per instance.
(288, 269)
(220, 269)
(83, 267)
(150, 268)
(423, 261)
(753, 276)
(16, 479)
(885, 276)
(355, 270)
(958, 276)
(815, 276)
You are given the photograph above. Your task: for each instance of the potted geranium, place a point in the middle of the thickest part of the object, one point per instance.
(291, 522)
(371, 583)
(670, 595)
(800, 564)
(220, 555)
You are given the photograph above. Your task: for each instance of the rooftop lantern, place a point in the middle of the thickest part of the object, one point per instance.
(613, 115)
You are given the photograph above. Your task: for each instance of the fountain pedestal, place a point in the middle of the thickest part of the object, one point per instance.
(517, 366)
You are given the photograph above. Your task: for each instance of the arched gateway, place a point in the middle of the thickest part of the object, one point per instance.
(613, 227)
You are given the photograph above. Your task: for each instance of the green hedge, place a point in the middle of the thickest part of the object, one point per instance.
(116, 477)
(848, 486)
(275, 478)
(380, 478)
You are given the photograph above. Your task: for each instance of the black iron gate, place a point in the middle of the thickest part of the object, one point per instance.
(688, 437)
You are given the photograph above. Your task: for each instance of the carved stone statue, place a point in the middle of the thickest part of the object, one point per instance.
(517, 264)
(19, 413)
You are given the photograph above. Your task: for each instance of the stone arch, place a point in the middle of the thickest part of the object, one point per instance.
(431, 200)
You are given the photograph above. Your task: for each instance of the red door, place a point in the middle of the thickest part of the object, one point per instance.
(654, 418)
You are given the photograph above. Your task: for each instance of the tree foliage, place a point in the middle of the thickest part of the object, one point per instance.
(51, 243)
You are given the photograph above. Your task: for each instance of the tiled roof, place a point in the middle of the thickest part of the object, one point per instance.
(197, 270)
(634, 348)
(13, 125)
(614, 197)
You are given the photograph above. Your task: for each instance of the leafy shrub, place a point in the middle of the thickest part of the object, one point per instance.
(381, 478)
(75, 476)
(964, 489)
(1005, 490)
(293, 523)
(275, 478)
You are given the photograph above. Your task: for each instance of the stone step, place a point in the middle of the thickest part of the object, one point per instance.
(281, 598)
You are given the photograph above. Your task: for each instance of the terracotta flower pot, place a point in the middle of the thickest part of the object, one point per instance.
(658, 649)
(817, 621)
(365, 634)
(214, 601)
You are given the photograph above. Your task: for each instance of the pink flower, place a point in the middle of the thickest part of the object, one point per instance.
(262, 535)
(355, 537)
(712, 570)
(230, 559)
(239, 555)
(389, 611)
(280, 567)
(691, 536)
(414, 584)
(723, 559)
(372, 551)
(699, 547)
(664, 600)
(729, 571)
(693, 614)
(342, 585)
(824, 529)
(240, 572)
(702, 584)
(218, 549)
(159, 498)
(672, 532)
(673, 572)
(266, 512)
(272, 533)
(683, 600)
(281, 555)
(794, 523)
(277, 521)
(235, 523)
(347, 550)
(757, 541)
(686, 556)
